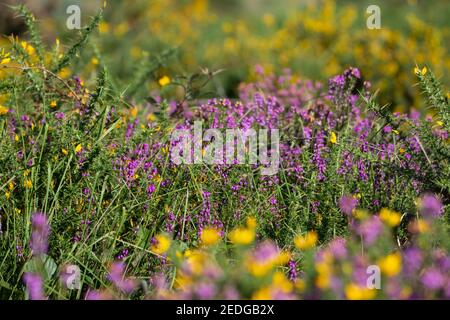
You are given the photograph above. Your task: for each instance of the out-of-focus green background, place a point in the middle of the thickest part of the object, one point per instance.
(316, 39)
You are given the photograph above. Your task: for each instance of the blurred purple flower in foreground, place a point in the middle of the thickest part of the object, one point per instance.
(34, 284)
(347, 204)
(116, 276)
(430, 206)
(40, 233)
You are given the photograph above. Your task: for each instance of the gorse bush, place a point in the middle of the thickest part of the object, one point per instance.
(316, 39)
(87, 179)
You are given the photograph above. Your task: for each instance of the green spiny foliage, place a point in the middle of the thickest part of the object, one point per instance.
(436, 98)
(146, 70)
(77, 47)
(35, 35)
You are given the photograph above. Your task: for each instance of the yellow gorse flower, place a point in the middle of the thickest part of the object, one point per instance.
(422, 71)
(78, 148)
(251, 222)
(242, 236)
(419, 226)
(391, 264)
(162, 244)
(390, 217)
(261, 267)
(307, 241)
(324, 270)
(27, 184)
(151, 117)
(4, 57)
(210, 236)
(103, 27)
(3, 110)
(262, 294)
(356, 292)
(28, 48)
(164, 81)
(281, 283)
(333, 137)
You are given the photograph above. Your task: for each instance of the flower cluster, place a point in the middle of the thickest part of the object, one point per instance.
(337, 270)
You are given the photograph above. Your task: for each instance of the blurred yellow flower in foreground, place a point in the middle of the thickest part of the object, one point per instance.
(162, 244)
(391, 265)
(3, 110)
(262, 294)
(210, 236)
(356, 292)
(390, 217)
(251, 222)
(242, 236)
(307, 241)
(103, 27)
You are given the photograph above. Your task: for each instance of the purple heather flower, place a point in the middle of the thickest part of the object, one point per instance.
(34, 284)
(370, 229)
(447, 289)
(347, 204)
(413, 258)
(98, 295)
(206, 291)
(159, 282)
(441, 259)
(387, 129)
(230, 293)
(59, 115)
(292, 270)
(354, 72)
(150, 189)
(338, 248)
(40, 233)
(394, 289)
(116, 276)
(336, 285)
(433, 279)
(430, 206)
(265, 251)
